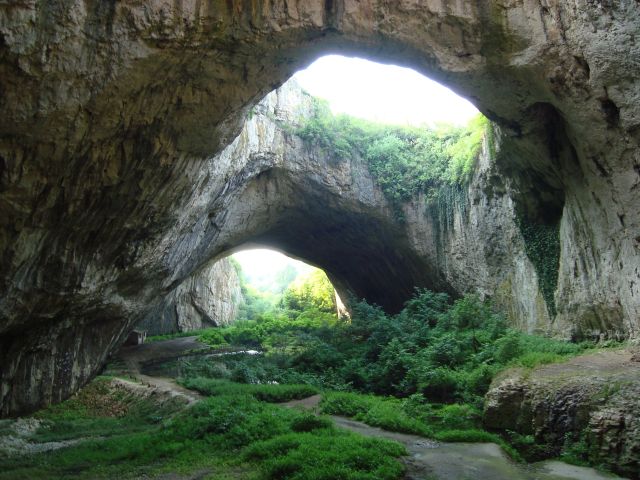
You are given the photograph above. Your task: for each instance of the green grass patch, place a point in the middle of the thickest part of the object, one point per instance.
(327, 454)
(385, 413)
(102, 409)
(171, 336)
(235, 436)
(447, 423)
(267, 393)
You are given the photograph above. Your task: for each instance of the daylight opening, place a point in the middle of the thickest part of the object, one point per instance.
(383, 93)
(272, 281)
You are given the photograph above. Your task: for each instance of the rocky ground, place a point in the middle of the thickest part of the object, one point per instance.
(592, 401)
(429, 459)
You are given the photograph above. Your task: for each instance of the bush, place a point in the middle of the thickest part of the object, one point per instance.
(310, 422)
(441, 384)
(404, 160)
(459, 416)
(213, 337)
(447, 352)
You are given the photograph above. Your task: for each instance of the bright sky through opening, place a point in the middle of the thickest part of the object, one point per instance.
(260, 263)
(383, 93)
(364, 89)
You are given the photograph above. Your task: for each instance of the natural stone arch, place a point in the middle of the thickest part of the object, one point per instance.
(109, 109)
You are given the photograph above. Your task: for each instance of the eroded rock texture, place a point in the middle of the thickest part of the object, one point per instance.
(593, 399)
(210, 297)
(113, 190)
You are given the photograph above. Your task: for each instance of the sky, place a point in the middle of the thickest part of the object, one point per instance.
(377, 92)
(383, 93)
(261, 262)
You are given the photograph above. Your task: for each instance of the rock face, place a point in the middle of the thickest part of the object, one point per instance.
(114, 188)
(594, 398)
(208, 298)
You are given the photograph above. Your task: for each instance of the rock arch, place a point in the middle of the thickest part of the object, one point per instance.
(111, 110)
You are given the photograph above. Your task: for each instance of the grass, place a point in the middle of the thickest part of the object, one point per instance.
(265, 392)
(533, 359)
(385, 413)
(327, 454)
(230, 435)
(447, 423)
(102, 409)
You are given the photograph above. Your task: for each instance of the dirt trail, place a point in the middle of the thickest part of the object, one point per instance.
(135, 355)
(429, 459)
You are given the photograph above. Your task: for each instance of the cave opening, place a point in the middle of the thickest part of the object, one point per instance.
(271, 280)
(321, 199)
(121, 179)
(383, 92)
(114, 190)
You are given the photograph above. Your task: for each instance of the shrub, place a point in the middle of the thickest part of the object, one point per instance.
(404, 160)
(310, 422)
(327, 454)
(441, 384)
(533, 359)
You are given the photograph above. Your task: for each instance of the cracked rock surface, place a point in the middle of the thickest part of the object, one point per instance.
(594, 398)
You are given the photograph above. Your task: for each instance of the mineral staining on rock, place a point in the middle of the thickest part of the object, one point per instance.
(114, 188)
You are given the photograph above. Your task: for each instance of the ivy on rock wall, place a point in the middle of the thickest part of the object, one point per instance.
(542, 245)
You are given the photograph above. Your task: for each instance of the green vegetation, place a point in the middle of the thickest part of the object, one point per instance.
(542, 244)
(447, 423)
(327, 454)
(266, 392)
(286, 289)
(446, 352)
(423, 371)
(102, 409)
(191, 333)
(404, 160)
(429, 367)
(225, 436)
(312, 291)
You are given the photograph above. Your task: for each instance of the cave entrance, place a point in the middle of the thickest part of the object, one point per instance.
(164, 88)
(271, 280)
(341, 209)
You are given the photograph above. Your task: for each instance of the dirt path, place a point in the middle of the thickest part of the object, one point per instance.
(429, 459)
(135, 355)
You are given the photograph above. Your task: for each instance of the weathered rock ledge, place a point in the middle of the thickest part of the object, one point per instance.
(593, 398)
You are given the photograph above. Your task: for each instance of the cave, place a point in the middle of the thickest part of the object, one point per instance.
(115, 112)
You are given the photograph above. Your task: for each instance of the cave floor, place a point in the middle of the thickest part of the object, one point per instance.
(427, 459)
